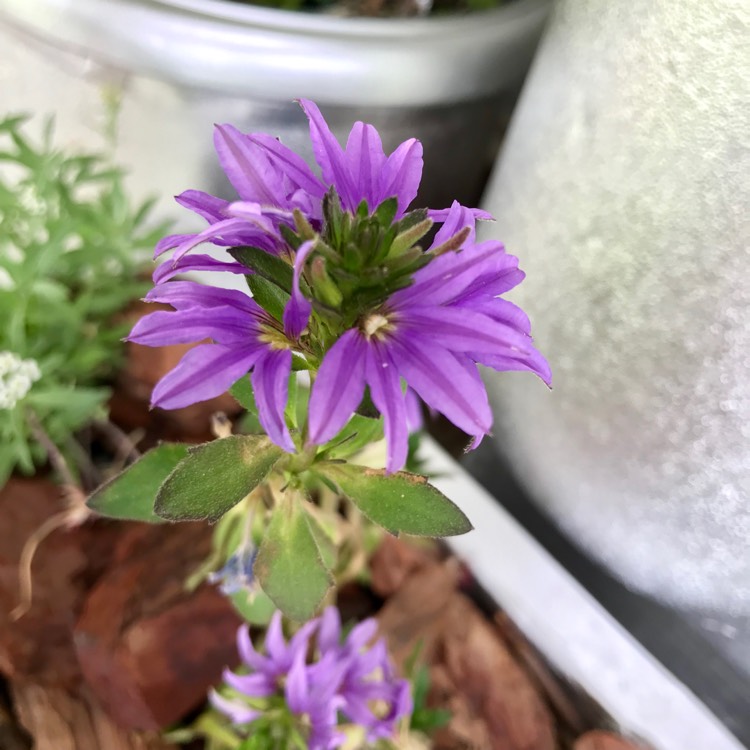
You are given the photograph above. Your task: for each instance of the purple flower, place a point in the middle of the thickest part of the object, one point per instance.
(244, 337)
(345, 677)
(368, 679)
(272, 181)
(432, 334)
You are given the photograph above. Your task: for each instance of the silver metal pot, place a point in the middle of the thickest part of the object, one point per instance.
(623, 188)
(182, 65)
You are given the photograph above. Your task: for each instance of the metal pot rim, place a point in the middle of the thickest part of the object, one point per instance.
(272, 54)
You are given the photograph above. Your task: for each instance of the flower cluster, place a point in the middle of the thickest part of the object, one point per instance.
(16, 378)
(345, 677)
(344, 290)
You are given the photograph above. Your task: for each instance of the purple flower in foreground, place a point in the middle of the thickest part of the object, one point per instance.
(272, 181)
(432, 334)
(347, 677)
(244, 337)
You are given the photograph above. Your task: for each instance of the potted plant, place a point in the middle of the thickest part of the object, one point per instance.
(449, 80)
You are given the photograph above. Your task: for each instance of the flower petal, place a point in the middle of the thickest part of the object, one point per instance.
(441, 214)
(270, 380)
(274, 642)
(225, 325)
(385, 389)
(247, 651)
(247, 167)
(195, 262)
(237, 712)
(365, 158)
(206, 205)
(401, 174)
(251, 685)
(329, 632)
(204, 372)
(462, 330)
(293, 165)
(297, 310)
(338, 388)
(330, 156)
(445, 383)
(446, 277)
(221, 229)
(186, 294)
(296, 688)
(532, 361)
(458, 217)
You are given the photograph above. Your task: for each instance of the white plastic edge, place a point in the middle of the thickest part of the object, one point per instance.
(573, 631)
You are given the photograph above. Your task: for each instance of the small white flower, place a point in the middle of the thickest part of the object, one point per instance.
(16, 378)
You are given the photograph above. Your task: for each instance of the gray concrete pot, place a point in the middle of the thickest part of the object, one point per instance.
(623, 188)
(181, 65)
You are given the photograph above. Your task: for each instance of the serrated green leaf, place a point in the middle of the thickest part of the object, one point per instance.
(400, 502)
(358, 433)
(215, 477)
(132, 492)
(289, 566)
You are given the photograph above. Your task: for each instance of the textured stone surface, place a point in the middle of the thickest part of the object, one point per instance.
(623, 188)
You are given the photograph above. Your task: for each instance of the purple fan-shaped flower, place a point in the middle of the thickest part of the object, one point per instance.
(243, 337)
(347, 676)
(431, 334)
(272, 181)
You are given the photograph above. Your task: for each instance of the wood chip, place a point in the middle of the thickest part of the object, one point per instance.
(494, 704)
(39, 646)
(599, 740)
(60, 721)
(149, 649)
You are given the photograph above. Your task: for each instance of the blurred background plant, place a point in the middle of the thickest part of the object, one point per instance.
(71, 247)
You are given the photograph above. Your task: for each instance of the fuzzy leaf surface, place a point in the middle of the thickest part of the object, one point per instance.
(215, 477)
(289, 566)
(400, 503)
(131, 494)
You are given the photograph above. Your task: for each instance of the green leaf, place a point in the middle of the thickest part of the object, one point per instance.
(254, 607)
(265, 265)
(132, 492)
(385, 213)
(242, 391)
(215, 477)
(289, 566)
(400, 502)
(358, 433)
(326, 545)
(270, 297)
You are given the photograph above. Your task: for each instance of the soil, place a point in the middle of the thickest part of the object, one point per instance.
(114, 648)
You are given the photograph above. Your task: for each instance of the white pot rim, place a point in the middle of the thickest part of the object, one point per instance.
(238, 49)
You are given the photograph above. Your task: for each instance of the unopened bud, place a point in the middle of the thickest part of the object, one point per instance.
(324, 287)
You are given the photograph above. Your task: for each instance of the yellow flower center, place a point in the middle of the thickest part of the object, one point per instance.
(375, 323)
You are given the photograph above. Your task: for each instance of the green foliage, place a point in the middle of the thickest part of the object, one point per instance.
(424, 719)
(400, 502)
(71, 245)
(289, 566)
(132, 492)
(215, 477)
